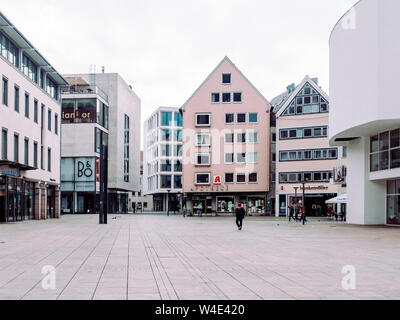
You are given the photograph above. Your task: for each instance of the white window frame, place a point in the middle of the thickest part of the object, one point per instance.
(248, 157)
(230, 153)
(257, 118)
(233, 178)
(241, 97)
(203, 134)
(202, 173)
(222, 80)
(245, 157)
(241, 134)
(241, 174)
(214, 93)
(203, 125)
(237, 118)
(230, 123)
(201, 154)
(253, 134)
(233, 140)
(230, 97)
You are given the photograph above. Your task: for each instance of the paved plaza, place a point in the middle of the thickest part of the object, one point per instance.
(142, 257)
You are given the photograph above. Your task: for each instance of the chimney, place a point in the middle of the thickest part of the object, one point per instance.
(315, 80)
(290, 88)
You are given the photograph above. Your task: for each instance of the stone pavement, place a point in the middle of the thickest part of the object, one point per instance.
(170, 258)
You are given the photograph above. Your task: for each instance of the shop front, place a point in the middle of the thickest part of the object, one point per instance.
(315, 204)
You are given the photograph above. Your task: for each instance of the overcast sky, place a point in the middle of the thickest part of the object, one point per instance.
(166, 48)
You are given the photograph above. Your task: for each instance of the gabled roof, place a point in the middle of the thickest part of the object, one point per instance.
(216, 68)
(290, 97)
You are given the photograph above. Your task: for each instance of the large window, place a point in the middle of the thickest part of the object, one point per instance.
(306, 155)
(298, 177)
(301, 133)
(8, 50)
(166, 135)
(229, 118)
(178, 182)
(385, 151)
(49, 160)
(226, 78)
(79, 111)
(308, 101)
(51, 88)
(202, 178)
(101, 138)
(203, 139)
(166, 119)
(16, 147)
(102, 114)
(27, 105)
(35, 154)
(26, 151)
(203, 120)
(29, 68)
(393, 202)
(166, 166)
(215, 98)
(35, 111)
(203, 159)
(166, 182)
(126, 148)
(16, 98)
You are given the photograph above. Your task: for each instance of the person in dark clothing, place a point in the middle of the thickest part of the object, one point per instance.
(303, 215)
(240, 214)
(134, 207)
(297, 212)
(291, 212)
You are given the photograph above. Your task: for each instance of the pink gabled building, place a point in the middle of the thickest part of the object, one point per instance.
(226, 151)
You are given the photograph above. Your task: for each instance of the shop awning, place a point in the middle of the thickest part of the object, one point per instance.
(340, 199)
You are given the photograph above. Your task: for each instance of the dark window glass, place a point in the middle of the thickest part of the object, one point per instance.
(49, 120)
(241, 118)
(226, 78)
(307, 177)
(178, 119)
(395, 138)
(395, 158)
(317, 176)
(375, 162)
(241, 138)
(56, 124)
(26, 105)
(229, 177)
(178, 166)
(86, 111)
(5, 91)
(229, 118)
(166, 119)
(237, 97)
(16, 99)
(253, 177)
(203, 178)
(293, 133)
(165, 135)
(253, 117)
(226, 97)
(35, 155)
(35, 111)
(4, 145)
(16, 148)
(307, 100)
(26, 152)
(241, 178)
(49, 160)
(203, 119)
(284, 134)
(384, 160)
(384, 141)
(374, 144)
(177, 182)
(166, 166)
(215, 98)
(68, 111)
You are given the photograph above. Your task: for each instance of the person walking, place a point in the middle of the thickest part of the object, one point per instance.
(200, 210)
(134, 207)
(291, 213)
(297, 212)
(240, 214)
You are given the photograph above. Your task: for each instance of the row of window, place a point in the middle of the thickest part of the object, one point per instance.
(227, 97)
(299, 177)
(241, 178)
(306, 155)
(204, 119)
(27, 106)
(166, 119)
(85, 111)
(166, 182)
(168, 135)
(16, 157)
(126, 148)
(385, 151)
(10, 52)
(301, 133)
(204, 139)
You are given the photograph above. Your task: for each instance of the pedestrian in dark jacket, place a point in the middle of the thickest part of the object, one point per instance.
(291, 212)
(240, 214)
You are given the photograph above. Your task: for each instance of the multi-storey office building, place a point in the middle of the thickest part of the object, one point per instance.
(100, 95)
(85, 127)
(30, 116)
(163, 134)
(303, 153)
(227, 144)
(364, 51)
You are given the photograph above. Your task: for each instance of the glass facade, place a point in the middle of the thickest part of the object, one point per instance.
(85, 111)
(385, 151)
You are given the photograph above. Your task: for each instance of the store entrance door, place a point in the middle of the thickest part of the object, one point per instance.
(3, 217)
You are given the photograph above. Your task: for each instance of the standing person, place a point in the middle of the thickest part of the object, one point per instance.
(184, 211)
(240, 214)
(303, 215)
(200, 210)
(297, 211)
(291, 212)
(134, 207)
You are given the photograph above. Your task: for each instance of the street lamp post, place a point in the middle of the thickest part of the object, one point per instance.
(304, 199)
(168, 203)
(295, 195)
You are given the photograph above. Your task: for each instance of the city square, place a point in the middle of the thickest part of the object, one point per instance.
(156, 257)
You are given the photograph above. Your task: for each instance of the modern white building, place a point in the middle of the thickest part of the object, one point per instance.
(163, 149)
(30, 115)
(100, 108)
(365, 117)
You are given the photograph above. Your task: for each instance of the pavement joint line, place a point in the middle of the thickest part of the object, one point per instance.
(69, 255)
(193, 270)
(87, 257)
(105, 264)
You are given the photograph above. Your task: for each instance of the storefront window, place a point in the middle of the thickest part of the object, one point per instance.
(225, 204)
(256, 205)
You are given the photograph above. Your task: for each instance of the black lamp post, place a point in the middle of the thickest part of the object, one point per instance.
(168, 203)
(304, 199)
(295, 195)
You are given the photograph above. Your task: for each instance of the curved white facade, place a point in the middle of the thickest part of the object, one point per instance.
(364, 84)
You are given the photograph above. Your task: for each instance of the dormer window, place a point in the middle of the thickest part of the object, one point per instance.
(226, 78)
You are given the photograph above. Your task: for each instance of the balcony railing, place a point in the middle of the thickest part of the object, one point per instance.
(85, 90)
